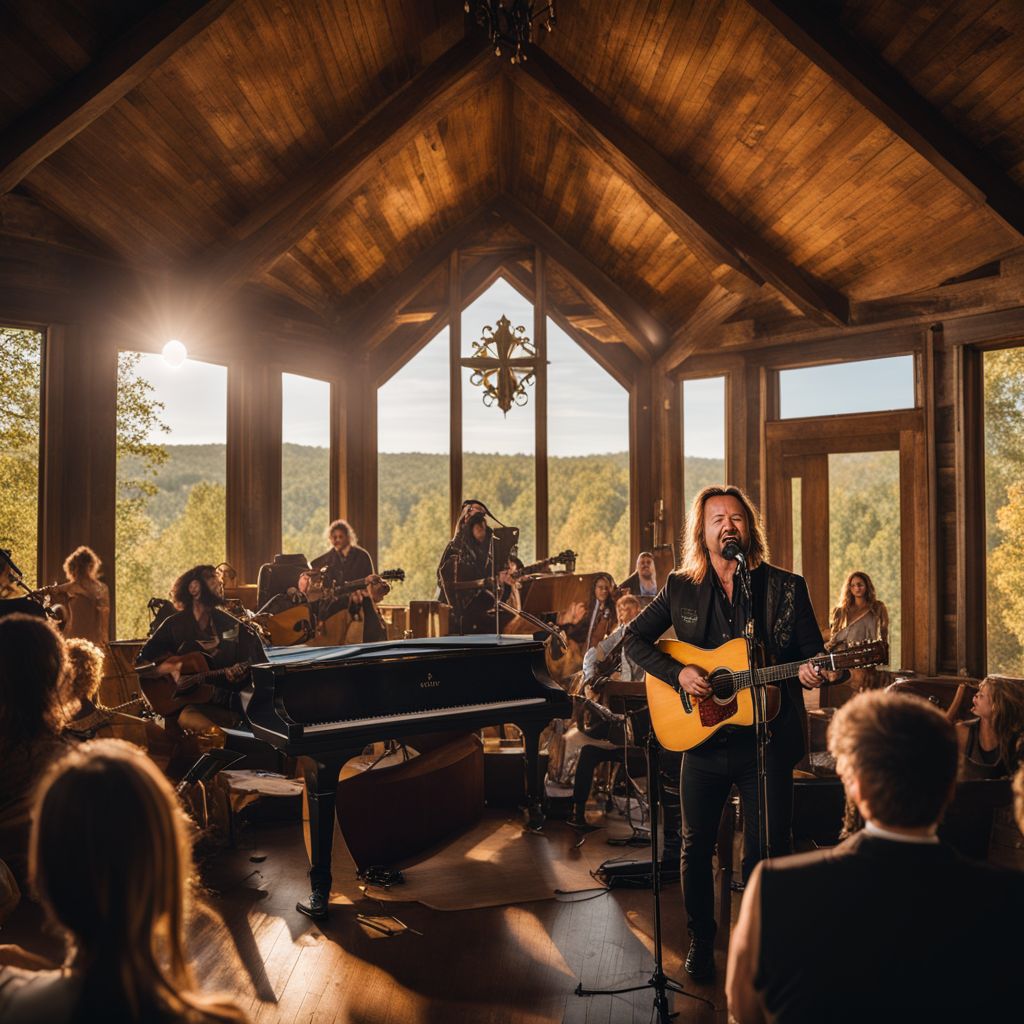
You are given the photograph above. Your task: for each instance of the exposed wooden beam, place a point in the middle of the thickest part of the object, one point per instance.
(349, 164)
(369, 325)
(642, 332)
(124, 64)
(398, 347)
(616, 360)
(880, 89)
(701, 327)
(736, 257)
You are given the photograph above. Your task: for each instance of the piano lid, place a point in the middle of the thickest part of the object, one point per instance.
(452, 646)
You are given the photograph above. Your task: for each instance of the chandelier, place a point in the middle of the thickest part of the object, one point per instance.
(503, 363)
(509, 23)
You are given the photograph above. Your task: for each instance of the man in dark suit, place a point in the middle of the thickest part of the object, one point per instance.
(704, 602)
(891, 924)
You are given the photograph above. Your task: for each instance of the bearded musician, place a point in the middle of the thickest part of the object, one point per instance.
(201, 624)
(344, 563)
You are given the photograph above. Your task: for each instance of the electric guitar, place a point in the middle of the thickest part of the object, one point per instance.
(180, 680)
(682, 721)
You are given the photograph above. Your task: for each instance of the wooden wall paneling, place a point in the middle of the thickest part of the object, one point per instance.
(768, 405)
(989, 328)
(339, 448)
(667, 458)
(78, 473)
(927, 365)
(540, 399)
(814, 539)
(120, 68)
(641, 495)
(969, 447)
(455, 385)
(253, 465)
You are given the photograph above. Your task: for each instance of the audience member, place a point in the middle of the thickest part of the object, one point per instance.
(599, 619)
(33, 664)
(119, 897)
(891, 924)
(644, 580)
(988, 743)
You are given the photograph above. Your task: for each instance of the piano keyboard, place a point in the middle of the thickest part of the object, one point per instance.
(419, 716)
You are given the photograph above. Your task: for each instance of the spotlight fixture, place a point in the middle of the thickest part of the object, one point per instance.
(174, 353)
(509, 23)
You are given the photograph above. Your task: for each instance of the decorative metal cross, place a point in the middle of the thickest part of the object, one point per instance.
(504, 361)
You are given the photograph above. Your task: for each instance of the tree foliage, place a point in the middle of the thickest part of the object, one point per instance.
(21, 354)
(1004, 508)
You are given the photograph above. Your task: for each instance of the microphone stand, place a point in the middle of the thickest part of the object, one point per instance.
(659, 980)
(759, 698)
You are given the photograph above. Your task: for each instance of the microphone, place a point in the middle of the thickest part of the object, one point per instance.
(732, 552)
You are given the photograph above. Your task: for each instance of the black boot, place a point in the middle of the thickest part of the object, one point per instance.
(700, 958)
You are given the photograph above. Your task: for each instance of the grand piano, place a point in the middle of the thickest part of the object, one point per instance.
(328, 703)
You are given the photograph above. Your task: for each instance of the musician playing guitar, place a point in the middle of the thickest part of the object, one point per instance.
(703, 601)
(228, 647)
(347, 561)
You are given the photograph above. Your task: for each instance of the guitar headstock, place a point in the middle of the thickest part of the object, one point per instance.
(393, 575)
(862, 655)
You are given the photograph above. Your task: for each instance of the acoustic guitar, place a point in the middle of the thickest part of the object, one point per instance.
(180, 680)
(682, 721)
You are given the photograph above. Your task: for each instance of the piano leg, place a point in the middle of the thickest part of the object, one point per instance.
(534, 781)
(321, 789)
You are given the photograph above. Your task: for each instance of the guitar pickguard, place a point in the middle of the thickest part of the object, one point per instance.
(712, 713)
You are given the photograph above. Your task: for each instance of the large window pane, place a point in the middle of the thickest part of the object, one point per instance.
(171, 465)
(869, 385)
(21, 356)
(703, 435)
(412, 438)
(498, 449)
(864, 529)
(1004, 508)
(588, 459)
(305, 464)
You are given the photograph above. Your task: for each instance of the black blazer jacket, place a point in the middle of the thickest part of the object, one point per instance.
(879, 930)
(785, 624)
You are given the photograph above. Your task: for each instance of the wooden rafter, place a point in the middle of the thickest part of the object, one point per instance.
(369, 325)
(701, 327)
(642, 332)
(127, 62)
(736, 257)
(880, 89)
(349, 164)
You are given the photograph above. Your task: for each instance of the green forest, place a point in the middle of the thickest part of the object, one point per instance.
(171, 500)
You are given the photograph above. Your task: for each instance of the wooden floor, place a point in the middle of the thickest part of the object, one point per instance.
(517, 964)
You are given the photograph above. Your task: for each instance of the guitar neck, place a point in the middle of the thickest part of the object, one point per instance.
(777, 673)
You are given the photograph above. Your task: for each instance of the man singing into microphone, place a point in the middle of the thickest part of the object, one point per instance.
(704, 601)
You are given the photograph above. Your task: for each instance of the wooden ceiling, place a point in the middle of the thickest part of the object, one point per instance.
(684, 165)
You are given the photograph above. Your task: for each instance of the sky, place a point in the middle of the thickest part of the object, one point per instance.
(588, 410)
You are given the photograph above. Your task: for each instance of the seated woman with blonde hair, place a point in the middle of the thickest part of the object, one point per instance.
(989, 743)
(110, 861)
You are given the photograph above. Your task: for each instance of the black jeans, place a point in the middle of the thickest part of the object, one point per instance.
(707, 776)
